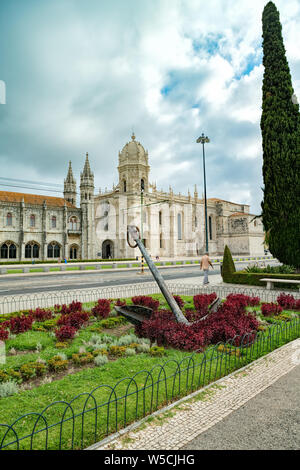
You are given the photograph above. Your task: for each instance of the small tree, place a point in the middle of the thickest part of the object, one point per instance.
(228, 265)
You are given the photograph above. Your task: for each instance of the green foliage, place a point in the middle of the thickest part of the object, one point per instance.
(82, 358)
(130, 352)
(280, 126)
(100, 360)
(8, 388)
(57, 364)
(253, 279)
(282, 269)
(228, 265)
(113, 322)
(157, 351)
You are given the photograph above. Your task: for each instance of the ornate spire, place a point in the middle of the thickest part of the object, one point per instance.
(70, 177)
(87, 173)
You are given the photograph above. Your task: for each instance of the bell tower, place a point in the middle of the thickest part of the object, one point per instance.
(133, 168)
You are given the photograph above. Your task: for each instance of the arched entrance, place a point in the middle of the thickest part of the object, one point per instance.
(107, 249)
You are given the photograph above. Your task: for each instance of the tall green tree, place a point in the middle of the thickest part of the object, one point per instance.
(280, 126)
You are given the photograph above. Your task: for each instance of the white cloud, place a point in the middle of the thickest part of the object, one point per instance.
(81, 75)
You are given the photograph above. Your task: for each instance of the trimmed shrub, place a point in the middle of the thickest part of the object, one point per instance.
(82, 358)
(57, 364)
(228, 265)
(117, 351)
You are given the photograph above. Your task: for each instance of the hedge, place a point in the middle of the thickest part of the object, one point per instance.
(101, 260)
(253, 279)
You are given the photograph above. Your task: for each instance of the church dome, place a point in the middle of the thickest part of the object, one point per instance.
(133, 151)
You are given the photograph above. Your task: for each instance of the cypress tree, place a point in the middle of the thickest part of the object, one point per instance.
(280, 126)
(228, 265)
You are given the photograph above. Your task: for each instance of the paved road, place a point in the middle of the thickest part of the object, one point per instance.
(22, 284)
(269, 421)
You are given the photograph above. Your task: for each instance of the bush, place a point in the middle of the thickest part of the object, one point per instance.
(75, 320)
(179, 301)
(4, 334)
(8, 388)
(117, 351)
(145, 302)
(157, 351)
(227, 323)
(113, 322)
(100, 360)
(20, 324)
(82, 358)
(120, 303)
(270, 309)
(73, 307)
(28, 371)
(40, 314)
(65, 333)
(253, 279)
(57, 364)
(228, 265)
(243, 300)
(202, 302)
(130, 352)
(143, 348)
(102, 308)
(286, 301)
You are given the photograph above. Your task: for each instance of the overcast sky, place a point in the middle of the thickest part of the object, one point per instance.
(81, 74)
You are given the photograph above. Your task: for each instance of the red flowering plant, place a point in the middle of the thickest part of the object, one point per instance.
(4, 334)
(40, 314)
(65, 333)
(146, 302)
(120, 303)
(286, 301)
(243, 300)
(179, 301)
(270, 309)
(71, 308)
(102, 308)
(202, 302)
(76, 319)
(20, 324)
(230, 321)
(297, 305)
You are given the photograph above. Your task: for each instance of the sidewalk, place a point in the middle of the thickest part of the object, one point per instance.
(183, 424)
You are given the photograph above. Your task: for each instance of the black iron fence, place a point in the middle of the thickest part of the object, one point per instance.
(90, 417)
(13, 303)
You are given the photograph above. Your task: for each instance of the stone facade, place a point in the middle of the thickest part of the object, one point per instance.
(49, 228)
(45, 228)
(173, 224)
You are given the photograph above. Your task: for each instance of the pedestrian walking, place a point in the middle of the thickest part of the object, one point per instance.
(204, 264)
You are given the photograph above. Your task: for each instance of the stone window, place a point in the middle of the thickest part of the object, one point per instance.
(142, 185)
(124, 186)
(74, 252)
(32, 250)
(73, 223)
(8, 251)
(53, 250)
(9, 219)
(160, 218)
(32, 220)
(53, 222)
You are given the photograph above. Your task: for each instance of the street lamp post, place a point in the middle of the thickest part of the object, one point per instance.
(203, 140)
(142, 223)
